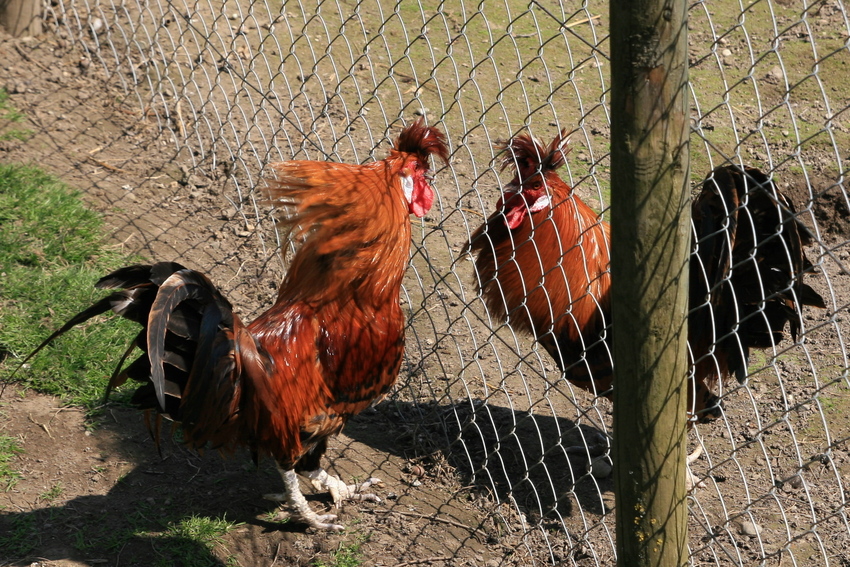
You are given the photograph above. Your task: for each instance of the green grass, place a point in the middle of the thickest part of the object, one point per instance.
(90, 536)
(193, 540)
(52, 251)
(8, 449)
(52, 493)
(9, 114)
(201, 528)
(347, 554)
(22, 538)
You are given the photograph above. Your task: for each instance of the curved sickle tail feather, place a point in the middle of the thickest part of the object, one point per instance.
(132, 302)
(215, 313)
(192, 347)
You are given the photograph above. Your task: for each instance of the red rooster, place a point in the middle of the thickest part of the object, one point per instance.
(543, 267)
(331, 344)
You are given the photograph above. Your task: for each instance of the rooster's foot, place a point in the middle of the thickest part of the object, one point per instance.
(692, 481)
(299, 510)
(339, 491)
(316, 521)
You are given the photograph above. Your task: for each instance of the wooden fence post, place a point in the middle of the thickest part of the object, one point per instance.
(20, 17)
(650, 220)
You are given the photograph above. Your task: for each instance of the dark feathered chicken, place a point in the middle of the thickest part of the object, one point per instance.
(331, 344)
(543, 266)
(746, 271)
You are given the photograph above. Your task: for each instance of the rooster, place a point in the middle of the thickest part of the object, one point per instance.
(331, 344)
(543, 267)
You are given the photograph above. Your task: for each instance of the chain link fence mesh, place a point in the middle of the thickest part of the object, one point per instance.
(233, 86)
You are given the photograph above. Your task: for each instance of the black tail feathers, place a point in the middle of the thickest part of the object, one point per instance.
(748, 266)
(182, 314)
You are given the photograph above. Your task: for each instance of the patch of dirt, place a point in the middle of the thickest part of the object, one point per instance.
(115, 490)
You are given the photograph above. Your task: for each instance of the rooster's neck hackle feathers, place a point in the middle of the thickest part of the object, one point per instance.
(353, 220)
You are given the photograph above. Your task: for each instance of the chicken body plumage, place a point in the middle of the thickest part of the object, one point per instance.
(542, 264)
(331, 344)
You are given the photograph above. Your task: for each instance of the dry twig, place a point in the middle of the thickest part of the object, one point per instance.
(431, 518)
(424, 560)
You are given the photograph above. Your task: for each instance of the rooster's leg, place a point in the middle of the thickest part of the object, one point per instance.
(340, 491)
(299, 510)
(692, 481)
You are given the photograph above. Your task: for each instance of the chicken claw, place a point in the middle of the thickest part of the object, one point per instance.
(299, 509)
(312, 519)
(339, 491)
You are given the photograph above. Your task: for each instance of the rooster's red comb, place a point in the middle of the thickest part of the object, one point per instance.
(528, 157)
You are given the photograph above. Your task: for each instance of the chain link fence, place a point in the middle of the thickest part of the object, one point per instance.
(233, 86)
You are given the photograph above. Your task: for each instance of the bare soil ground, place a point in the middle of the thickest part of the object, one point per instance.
(117, 493)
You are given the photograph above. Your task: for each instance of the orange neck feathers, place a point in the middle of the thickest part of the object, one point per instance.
(354, 220)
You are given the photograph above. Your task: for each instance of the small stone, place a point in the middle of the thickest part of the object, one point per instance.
(416, 470)
(96, 25)
(601, 467)
(197, 180)
(726, 52)
(795, 481)
(17, 87)
(822, 458)
(748, 528)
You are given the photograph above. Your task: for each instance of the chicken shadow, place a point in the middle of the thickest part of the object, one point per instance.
(542, 464)
(155, 512)
(145, 517)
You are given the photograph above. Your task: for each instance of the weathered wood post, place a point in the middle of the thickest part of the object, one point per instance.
(650, 218)
(20, 17)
